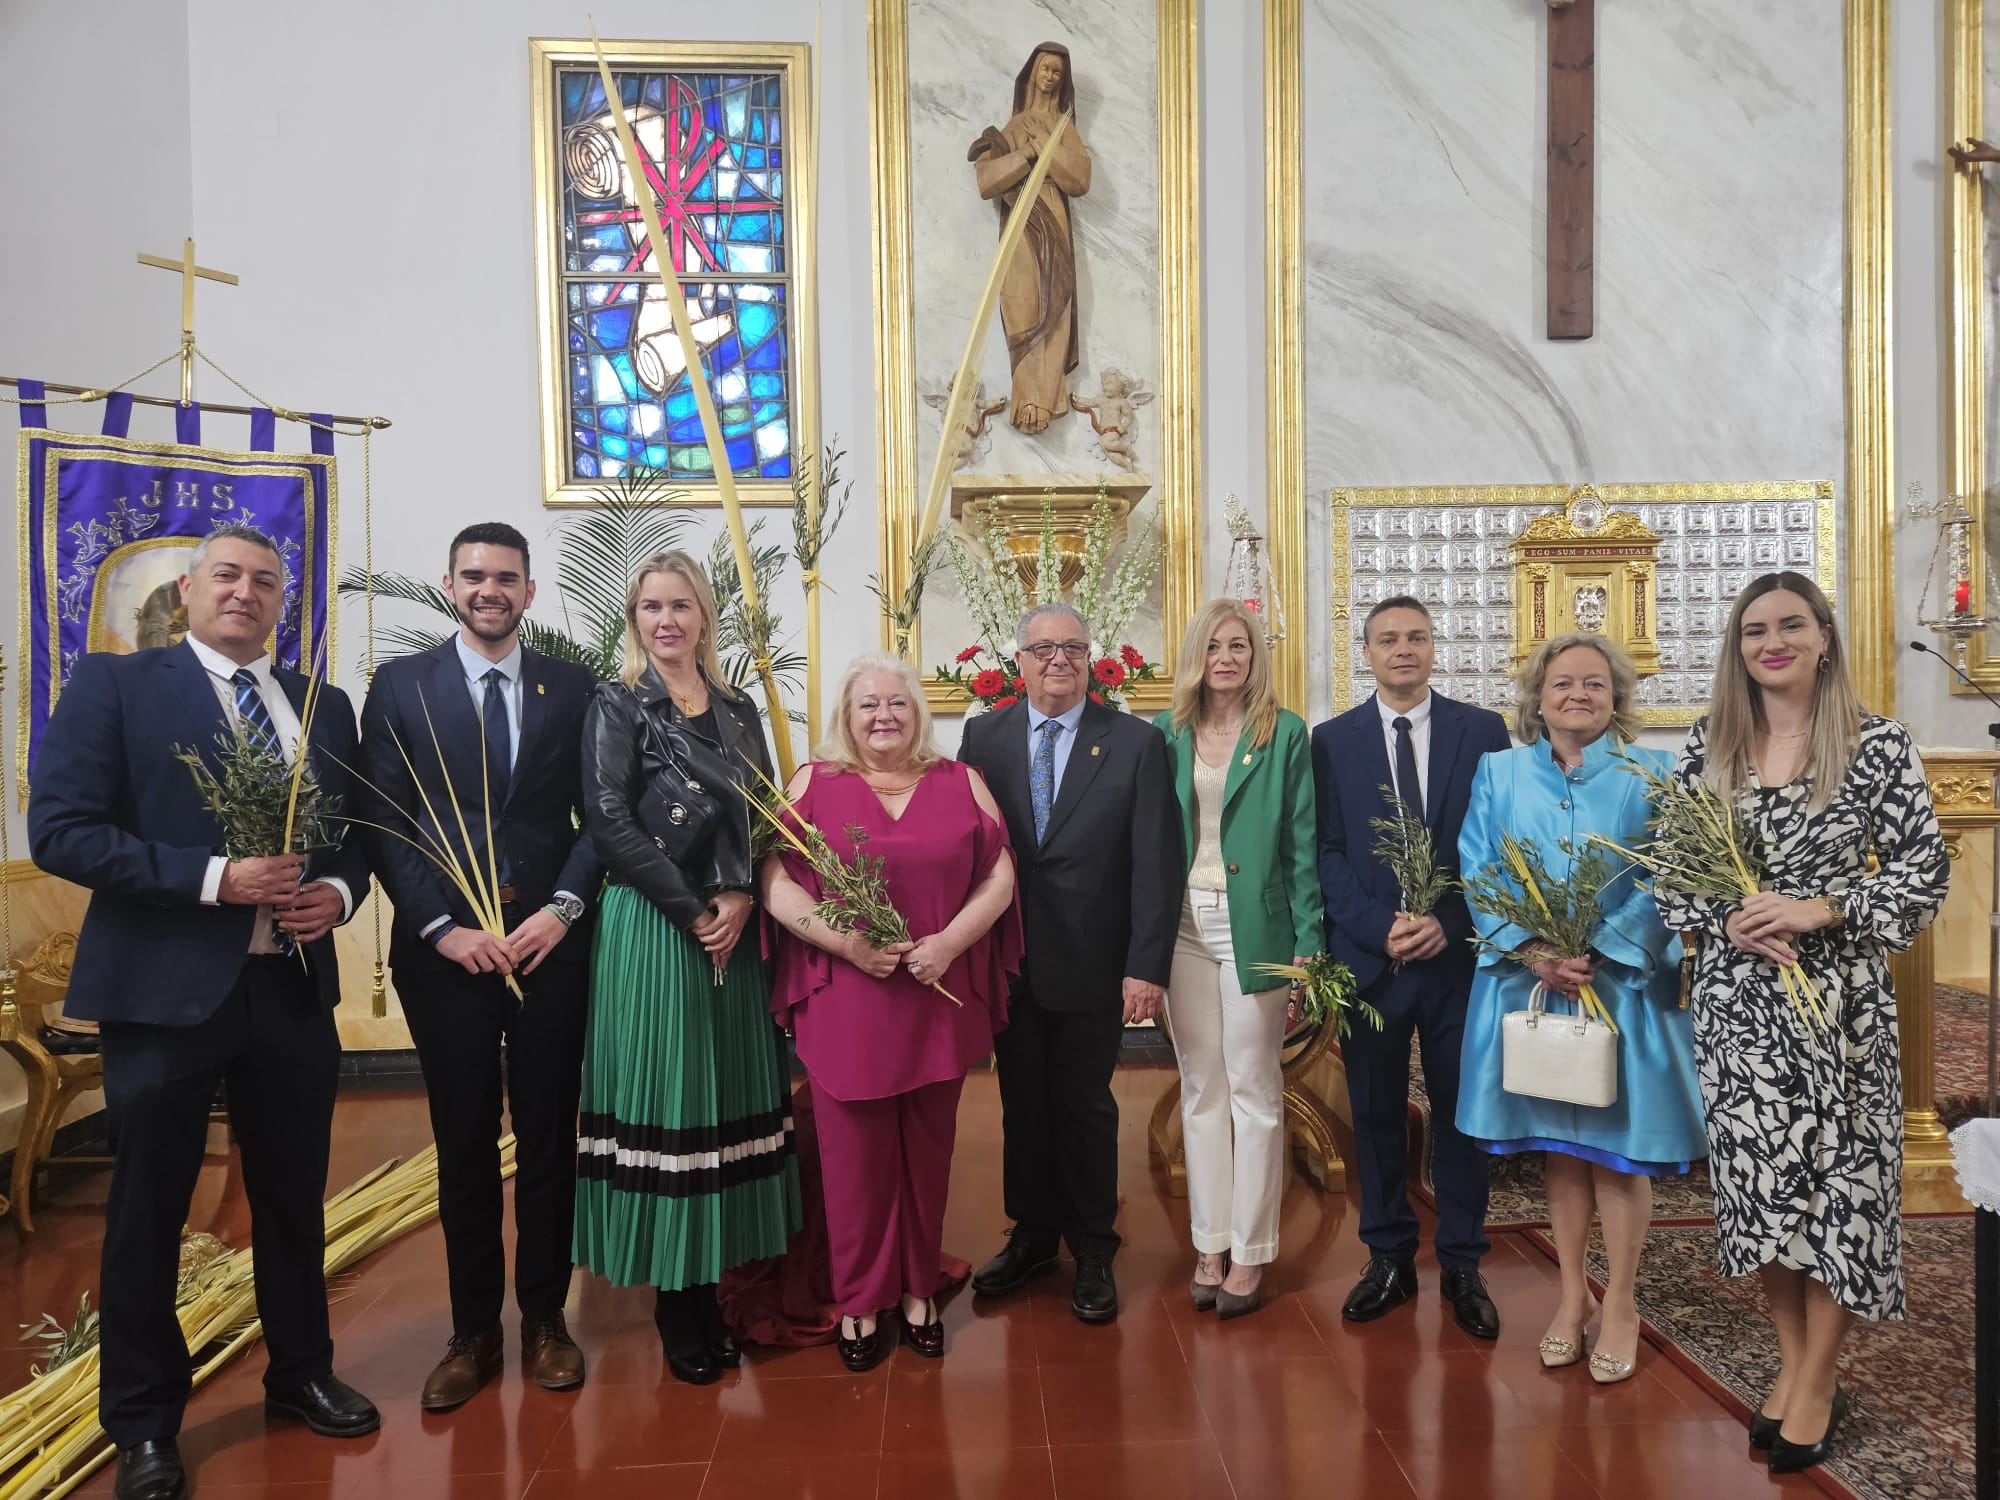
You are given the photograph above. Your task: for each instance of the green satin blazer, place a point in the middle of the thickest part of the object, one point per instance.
(1268, 844)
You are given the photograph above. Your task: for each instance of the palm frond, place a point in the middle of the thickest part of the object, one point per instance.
(398, 586)
(404, 640)
(599, 550)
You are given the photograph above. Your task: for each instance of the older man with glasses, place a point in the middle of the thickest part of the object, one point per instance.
(1090, 808)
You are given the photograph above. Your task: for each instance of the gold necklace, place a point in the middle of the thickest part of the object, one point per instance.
(891, 791)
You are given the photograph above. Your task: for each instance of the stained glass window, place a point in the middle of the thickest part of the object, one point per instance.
(714, 150)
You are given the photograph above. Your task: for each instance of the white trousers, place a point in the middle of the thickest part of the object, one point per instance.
(1232, 1088)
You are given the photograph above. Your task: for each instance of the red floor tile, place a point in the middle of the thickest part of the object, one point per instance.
(1028, 1403)
(963, 1410)
(1155, 1470)
(803, 1418)
(978, 1474)
(801, 1477)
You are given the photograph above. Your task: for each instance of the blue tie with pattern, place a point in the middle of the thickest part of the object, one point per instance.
(1042, 776)
(251, 710)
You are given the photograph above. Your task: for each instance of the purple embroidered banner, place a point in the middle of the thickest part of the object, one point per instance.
(107, 525)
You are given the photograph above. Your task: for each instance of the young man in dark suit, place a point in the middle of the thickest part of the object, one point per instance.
(1417, 971)
(1089, 802)
(190, 961)
(483, 693)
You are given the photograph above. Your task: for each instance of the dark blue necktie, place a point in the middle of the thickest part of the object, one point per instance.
(493, 714)
(1408, 786)
(251, 710)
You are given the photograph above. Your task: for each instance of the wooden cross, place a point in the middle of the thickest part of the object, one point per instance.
(189, 270)
(1572, 148)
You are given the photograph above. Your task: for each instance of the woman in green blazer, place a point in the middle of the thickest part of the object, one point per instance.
(1243, 770)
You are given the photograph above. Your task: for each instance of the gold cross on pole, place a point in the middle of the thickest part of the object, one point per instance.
(189, 270)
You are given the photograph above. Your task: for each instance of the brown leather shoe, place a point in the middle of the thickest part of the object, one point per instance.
(468, 1363)
(550, 1354)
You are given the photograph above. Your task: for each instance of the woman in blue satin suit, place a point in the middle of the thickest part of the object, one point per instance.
(1563, 784)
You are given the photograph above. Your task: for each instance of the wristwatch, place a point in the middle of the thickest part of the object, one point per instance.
(569, 908)
(1835, 910)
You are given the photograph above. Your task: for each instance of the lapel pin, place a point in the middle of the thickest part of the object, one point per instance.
(538, 690)
(1094, 749)
(1246, 760)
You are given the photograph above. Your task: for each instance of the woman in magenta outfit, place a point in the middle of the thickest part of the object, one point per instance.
(887, 1054)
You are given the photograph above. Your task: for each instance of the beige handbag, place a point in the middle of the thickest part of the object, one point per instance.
(1548, 1055)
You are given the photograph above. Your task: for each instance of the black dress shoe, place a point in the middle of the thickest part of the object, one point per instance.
(1020, 1261)
(926, 1339)
(1465, 1290)
(1764, 1430)
(329, 1406)
(150, 1471)
(717, 1335)
(1791, 1458)
(864, 1351)
(1385, 1284)
(1095, 1297)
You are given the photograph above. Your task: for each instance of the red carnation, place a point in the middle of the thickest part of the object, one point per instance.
(1007, 702)
(1096, 697)
(1020, 686)
(987, 683)
(968, 653)
(1108, 672)
(1132, 657)
(1251, 605)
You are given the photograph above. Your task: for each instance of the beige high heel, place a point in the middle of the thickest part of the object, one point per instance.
(1558, 1353)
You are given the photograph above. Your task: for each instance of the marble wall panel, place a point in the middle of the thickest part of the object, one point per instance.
(963, 58)
(1718, 352)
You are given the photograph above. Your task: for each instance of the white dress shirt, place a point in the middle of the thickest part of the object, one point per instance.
(1420, 741)
(285, 720)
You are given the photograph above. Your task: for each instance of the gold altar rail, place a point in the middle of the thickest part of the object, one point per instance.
(98, 394)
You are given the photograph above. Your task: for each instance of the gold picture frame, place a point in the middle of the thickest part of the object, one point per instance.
(1179, 486)
(791, 60)
(1869, 557)
(1965, 330)
(1552, 497)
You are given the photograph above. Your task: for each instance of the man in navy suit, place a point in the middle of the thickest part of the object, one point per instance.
(181, 962)
(1417, 971)
(483, 692)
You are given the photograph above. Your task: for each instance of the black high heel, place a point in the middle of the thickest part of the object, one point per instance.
(926, 1339)
(865, 1350)
(1792, 1458)
(676, 1315)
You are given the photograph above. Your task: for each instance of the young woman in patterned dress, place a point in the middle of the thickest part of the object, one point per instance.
(1805, 1121)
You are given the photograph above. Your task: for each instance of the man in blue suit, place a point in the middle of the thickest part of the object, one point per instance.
(1417, 971)
(201, 968)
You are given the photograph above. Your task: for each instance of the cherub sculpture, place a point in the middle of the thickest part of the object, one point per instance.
(1114, 414)
(971, 437)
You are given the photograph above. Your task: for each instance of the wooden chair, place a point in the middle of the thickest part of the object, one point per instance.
(59, 1057)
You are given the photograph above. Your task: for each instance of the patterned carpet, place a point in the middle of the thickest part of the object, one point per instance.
(1961, 1054)
(1910, 1434)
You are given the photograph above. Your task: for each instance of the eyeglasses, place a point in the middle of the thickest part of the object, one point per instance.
(1045, 651)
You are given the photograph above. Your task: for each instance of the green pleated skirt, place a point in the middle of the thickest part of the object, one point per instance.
(685, 1165)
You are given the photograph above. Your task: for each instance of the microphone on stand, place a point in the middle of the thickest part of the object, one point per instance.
(1992, 730)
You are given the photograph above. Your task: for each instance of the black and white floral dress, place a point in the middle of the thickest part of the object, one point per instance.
(1805, 1124)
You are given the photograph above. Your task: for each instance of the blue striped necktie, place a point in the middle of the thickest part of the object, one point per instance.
(251, 710)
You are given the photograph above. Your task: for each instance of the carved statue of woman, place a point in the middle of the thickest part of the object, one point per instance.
(1038, 297)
